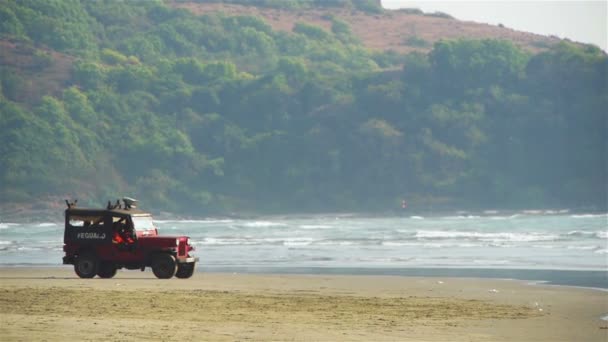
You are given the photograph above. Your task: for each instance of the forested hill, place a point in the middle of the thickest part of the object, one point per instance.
(204, 111)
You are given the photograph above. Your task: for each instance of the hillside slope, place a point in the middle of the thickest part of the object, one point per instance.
(402, 31)
(47, 71)
(209, 113)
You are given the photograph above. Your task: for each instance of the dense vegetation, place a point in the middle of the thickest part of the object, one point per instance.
(219, 113)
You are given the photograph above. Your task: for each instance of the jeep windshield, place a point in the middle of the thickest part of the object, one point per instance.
(142, 222)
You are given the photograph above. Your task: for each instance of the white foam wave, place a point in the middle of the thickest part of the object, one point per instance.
(557, 211)
(545, 246)
(255, 241)
(315, 226)
(263, 224)
(336, 243)
(583, 248)
(205, 221)
(24, 248)
(8, 225)
(387, 260)
(589, 215)
(461, 217)
(417, 217)
(429, 244)
(47, 224)
(602, 235)
(601, 251)
(491, 237)
(491, 262)
(297, 241)
(499, 217)
(226, 241)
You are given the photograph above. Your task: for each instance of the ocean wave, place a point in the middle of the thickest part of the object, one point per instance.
(491, 262)
(399, 243)
(305, 241)
(204, 221)
(506, 217)
(264, 224)
(7, 245)
(298, 241)
(315, 226)
(532, 212)
(226, 241)
(417, 217)
(601, 251)
(426, 239)
(545, 212)
(8, 225)
(321, 258)
(545, 246)
(461, 217)
(337, 243)
(385, 259)
(589, 215)
(491, 237)
(47, 224)
(583, 248)
(30, 248)
(581, 233)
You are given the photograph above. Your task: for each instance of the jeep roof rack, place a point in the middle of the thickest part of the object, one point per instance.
(71, 204)
(129, 203)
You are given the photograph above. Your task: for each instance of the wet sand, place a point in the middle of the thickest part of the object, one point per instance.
(53, 304)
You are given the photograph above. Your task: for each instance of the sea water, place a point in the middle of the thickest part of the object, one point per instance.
(524, 240)
(531, 241)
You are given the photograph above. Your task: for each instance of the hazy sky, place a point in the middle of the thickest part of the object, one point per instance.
(581, 21)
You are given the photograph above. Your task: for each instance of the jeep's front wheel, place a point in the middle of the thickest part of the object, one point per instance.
(106, 270)
(86, 266)
(164, 266)
(185, 270)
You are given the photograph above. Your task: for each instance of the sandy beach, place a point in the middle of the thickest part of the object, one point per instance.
(53, 304)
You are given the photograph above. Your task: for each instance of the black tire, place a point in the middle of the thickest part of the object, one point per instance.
(86, 266)
(185, 271)
(164, 266)
(106, 270)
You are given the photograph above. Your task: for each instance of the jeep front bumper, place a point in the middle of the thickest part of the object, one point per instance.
(187, 260)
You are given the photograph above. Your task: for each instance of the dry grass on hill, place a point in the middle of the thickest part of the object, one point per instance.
(44, 70)
(393, 30)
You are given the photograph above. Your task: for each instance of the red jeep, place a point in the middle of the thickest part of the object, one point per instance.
(100, 241)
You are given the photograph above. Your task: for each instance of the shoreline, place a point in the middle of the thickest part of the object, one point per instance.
(54, 304)
(572, 278)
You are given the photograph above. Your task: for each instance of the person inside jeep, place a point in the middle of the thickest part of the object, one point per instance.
(122, 234)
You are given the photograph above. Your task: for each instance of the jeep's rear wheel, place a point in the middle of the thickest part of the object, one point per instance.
(86, 266)
(164, 266)
(185, 270)
(106, 270)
